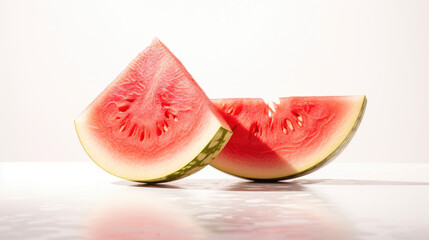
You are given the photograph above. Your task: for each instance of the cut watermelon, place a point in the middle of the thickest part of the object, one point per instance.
(275, 141)
(153, 123)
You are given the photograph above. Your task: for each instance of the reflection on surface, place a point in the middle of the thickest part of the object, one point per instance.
(215, 209)
(270, 215)
(139, 215)
(250, 210)
(38, 218)
(61, 206)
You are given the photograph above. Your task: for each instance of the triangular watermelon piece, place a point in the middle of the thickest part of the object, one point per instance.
(153, 123)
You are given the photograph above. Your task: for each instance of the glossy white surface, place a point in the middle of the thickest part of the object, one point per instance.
(340, 201)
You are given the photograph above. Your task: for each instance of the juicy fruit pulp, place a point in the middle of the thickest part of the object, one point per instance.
(153, 123)
(294, 137)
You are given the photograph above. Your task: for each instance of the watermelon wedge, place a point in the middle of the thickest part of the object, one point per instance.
(153, 123)
(290, 138)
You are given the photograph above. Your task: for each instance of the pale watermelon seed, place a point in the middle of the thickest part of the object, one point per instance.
(142, 135)
(284, 130)
(255, 129)
(299, 118)
(289, 124)
(124, 123)
(165, 126)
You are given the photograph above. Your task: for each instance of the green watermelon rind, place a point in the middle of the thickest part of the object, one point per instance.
(205, 157)
(324, 161)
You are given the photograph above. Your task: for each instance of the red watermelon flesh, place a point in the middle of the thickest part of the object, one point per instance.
(153, 123)
(291, 138)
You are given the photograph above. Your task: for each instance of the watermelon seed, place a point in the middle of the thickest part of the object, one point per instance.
(142, 135)
(160, 128)
(254, 129)
(289, 124)
(130, 99)
(165, 105)
(284, 130)
(132, 130)
(167, 114)
(123, 108)
(238, 110)
(299, 117)
(235, 111)
(165, 126)
(124, 123)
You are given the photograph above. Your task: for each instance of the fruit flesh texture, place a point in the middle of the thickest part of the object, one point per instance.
(295, 137)
(152, 121)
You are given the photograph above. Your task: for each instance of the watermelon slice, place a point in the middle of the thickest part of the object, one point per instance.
(288, 139)
(153, 123)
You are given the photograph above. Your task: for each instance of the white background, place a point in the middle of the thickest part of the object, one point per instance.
(57, 56)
